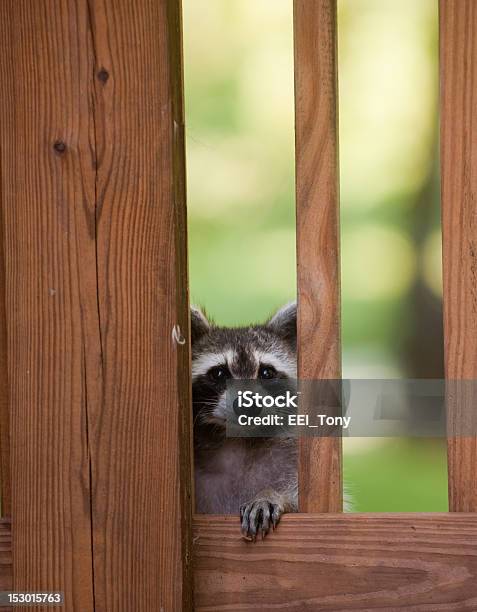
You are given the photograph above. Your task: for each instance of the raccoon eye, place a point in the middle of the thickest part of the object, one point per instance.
(219, 373)
(267, 372)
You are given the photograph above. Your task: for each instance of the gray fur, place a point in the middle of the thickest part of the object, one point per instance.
(254, 476)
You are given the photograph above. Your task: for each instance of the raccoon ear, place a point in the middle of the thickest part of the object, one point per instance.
(199, 325)
(283, 323)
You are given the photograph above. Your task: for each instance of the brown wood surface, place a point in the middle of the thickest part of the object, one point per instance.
(47, 174)
(5, 455)
(458, 60)
(319, 353)
(93, 197)
(411, 562)
(139, 431)
(6, 576)
(5, 555)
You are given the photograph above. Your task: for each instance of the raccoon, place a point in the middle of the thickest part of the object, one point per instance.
(255, 476)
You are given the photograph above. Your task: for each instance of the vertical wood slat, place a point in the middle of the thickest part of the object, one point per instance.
(458, 66)
(140, 434)
(96, 281)
(47, 198)
(317, 194)
(5, 455)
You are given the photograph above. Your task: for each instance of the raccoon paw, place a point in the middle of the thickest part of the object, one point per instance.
(257, 516)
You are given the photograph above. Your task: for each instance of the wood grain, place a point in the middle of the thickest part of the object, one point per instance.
(416, 563)
(458, 65)
(140, 432)
(93, 203)
(6, 577)
(319, 351)
(5, 455)
(47, 201)
(5, 556)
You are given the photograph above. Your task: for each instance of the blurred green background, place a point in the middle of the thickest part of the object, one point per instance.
(240, 157)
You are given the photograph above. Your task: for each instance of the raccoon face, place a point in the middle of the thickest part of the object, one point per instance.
(218, 354)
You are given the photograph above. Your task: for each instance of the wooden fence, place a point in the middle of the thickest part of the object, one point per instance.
(94, 378)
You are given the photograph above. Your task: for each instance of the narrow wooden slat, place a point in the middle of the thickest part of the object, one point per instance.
(6, 576)
(47, 196)
(458, 61)
(319, 353)
(5, 556)
(5, 458)
(412, 562)
(140, 434)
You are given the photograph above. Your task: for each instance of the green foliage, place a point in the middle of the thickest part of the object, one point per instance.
(397, 475)
(240, 155)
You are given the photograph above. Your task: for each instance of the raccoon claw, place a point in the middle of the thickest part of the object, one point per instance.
(257, 516)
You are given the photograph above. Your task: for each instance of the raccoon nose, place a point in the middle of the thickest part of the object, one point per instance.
(253, 410)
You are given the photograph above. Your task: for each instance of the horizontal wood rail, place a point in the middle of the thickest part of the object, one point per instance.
(412, 562)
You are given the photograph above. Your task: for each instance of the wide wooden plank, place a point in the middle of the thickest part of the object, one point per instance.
(458, 61)
(412, 562)
(47, 197)
(415, 562)
(93, 201)
(140, 433)
(319, 351)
